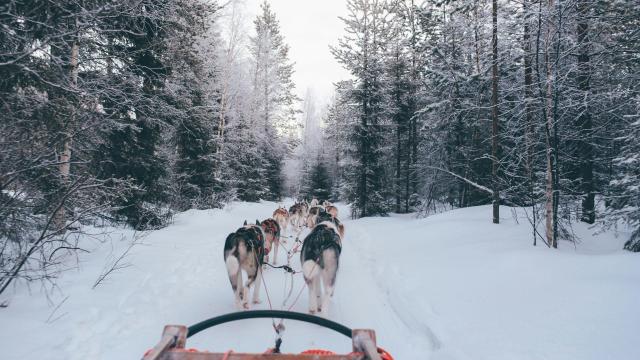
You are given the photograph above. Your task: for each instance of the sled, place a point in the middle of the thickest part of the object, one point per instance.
(172, 345)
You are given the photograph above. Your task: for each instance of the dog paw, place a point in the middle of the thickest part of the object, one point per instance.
(245, 306)
(257, 301)
(312, 311)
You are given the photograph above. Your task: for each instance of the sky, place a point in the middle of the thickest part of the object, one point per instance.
(309, 27)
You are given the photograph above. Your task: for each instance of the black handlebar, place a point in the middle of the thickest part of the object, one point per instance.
(257, 314)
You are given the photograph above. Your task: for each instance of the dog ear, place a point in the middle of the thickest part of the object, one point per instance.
(257, 222)
(245, 223)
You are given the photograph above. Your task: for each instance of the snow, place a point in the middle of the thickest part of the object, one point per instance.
(450, 286)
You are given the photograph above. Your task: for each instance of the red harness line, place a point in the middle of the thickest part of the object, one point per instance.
(264, 284)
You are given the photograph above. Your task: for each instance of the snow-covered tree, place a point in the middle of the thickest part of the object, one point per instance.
(274, 110)
(360, 51)
(625, 204)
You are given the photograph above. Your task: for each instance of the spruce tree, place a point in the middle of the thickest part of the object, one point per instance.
(625, 202)
(273, 118)
(361, 53)
(319, 182)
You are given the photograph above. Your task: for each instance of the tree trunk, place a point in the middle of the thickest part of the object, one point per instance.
(475, 35)
(64, 159)
(365, 114)
(529, 127)
(585, 147)
(400, 121)
(412, 129)
(550, 205)
(398, 174)
(495, 151)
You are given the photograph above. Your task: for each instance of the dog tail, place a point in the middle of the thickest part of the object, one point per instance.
(310, 269)
(233, 265)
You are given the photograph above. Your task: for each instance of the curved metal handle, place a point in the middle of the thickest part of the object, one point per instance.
(257, 314)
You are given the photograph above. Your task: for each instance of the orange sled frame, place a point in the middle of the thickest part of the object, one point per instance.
(172, 345)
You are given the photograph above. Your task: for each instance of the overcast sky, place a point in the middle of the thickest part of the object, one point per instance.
(309, 27)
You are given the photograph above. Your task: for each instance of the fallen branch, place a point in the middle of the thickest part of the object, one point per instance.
(470, 182)
(118, 263)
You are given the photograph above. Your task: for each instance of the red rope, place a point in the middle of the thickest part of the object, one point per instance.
(264, 283)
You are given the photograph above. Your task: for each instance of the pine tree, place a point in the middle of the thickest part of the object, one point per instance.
(625, 205)
(361, 53)
(320, 184)
(273, 117)
(248, 164)
(131, 150)
(193, 86)
(340, 121)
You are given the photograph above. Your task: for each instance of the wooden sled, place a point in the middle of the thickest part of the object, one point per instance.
(172, 345)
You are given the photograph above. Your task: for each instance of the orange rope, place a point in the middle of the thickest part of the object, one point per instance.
(317, 352)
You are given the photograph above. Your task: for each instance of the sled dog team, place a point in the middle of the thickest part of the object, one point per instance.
(248, 248)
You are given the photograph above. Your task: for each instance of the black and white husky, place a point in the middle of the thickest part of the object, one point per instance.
(244, 250)
(312, 217)
(320, 257)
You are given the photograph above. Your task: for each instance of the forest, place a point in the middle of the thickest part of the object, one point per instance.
(129, 112)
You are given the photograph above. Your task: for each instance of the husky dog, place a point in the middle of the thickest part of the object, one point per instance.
(294, 215)
(328, 218)
(314, 202)
(271, 229)
(326, 203)
(332, 210)
(298, 214)
(304, 206)
(314, 211)
(244, 250)
(281, 215)
(319, 257)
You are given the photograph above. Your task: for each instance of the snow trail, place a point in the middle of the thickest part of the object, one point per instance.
(451, 286)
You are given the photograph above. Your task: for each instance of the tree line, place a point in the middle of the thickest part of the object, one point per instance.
(128, 111)
(519, 103)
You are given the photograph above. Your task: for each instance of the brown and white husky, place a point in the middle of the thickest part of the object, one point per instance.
(332, 210)
(281, 215)
(271, 230)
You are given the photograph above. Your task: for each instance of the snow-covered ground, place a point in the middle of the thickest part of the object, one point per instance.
(451, 286)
